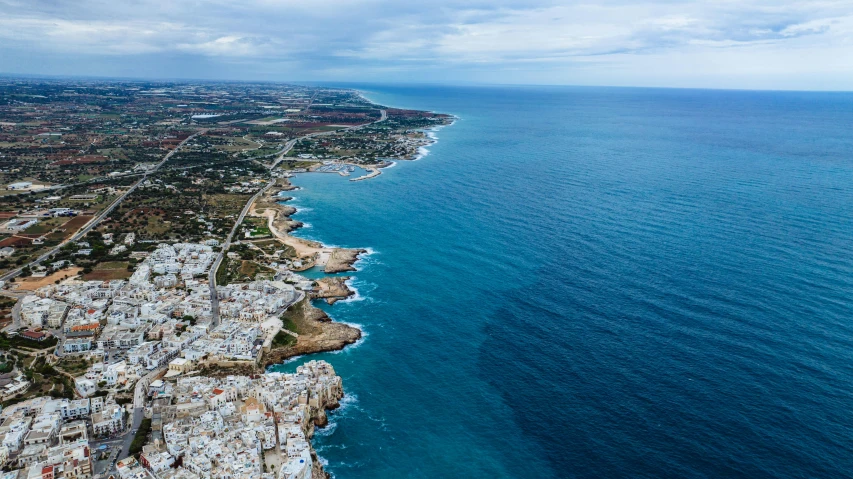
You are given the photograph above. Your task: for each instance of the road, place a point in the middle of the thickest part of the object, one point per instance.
(101, 468)
(139, 394)
(141, 388)
(100, 216)
(211, 278)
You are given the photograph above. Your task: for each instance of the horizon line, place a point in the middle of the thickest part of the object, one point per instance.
(6, 75)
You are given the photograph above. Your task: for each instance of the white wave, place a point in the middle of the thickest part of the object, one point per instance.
(349, 401)
(357, 296)
(422, 153)
(364, 259)
(391, 165)
(366, 98)
(326, 431)
(293, 359)
(356, 344)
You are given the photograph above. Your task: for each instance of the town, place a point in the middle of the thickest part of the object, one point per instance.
(148, 275)
(138, 346)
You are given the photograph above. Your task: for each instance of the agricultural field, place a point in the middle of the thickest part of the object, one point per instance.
(108, 271)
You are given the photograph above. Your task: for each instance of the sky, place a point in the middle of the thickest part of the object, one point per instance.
(751, 44)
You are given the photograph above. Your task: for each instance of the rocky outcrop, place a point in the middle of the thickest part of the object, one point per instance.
(317, 333)
(332, 289)
(342, 259)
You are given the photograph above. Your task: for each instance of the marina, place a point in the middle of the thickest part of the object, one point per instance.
(339, 168)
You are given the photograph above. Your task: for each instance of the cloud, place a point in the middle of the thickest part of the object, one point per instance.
(540, 40)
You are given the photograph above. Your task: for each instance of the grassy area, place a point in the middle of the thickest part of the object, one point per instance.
(249, 270)
(261, 231)
(239, 270)
(222, 272)
(73, 366)
(294, 316)
(270, 246)
(45, 379)
(45, 226)
(283, 339)
(256, 227)
(112, 265)
(155, 227)
(289, 324)
(238, 144)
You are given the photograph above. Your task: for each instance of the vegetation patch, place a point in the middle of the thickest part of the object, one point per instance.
(140, 438)
(283, 339)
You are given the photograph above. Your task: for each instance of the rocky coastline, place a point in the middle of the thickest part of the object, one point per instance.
(343, 260)
(333, 289)
(316, 333)
(311, 329)
(308, 253)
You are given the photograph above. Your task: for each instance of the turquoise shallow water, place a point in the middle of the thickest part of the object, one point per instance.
(588, 282)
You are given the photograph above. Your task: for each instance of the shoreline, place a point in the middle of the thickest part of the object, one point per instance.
(316, 333)
(314, 330)
(308, 253)
(332, 289)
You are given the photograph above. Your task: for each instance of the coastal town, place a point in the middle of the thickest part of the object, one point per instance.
(149, 274)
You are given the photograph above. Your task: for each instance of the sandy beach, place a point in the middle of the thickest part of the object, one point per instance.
(310, 253)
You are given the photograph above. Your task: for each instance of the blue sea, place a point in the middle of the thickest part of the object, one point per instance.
(599, 283)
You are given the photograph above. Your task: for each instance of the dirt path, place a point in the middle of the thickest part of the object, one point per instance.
(32, 284)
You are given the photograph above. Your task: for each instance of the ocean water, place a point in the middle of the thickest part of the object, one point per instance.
(593, 282)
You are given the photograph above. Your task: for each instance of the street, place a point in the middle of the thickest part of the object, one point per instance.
(139, 395)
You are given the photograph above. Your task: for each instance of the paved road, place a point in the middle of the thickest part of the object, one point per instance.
(139, 394)
(211, 277)
(101, 468)
(103, 214)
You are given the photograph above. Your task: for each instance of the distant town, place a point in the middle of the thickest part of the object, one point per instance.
(148, 274)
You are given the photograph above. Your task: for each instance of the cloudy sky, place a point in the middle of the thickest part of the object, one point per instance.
(718, 44)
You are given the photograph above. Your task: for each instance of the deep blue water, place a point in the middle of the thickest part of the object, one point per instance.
(591, 282)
